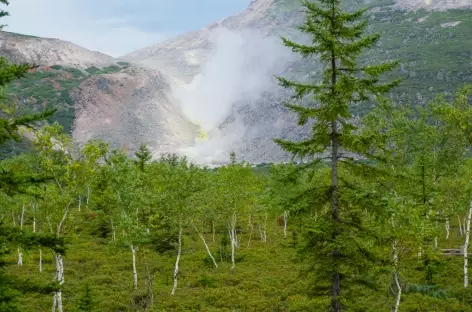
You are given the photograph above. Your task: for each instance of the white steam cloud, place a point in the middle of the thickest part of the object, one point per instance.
(240, 68)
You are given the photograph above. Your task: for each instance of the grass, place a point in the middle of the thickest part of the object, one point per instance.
(266, 278)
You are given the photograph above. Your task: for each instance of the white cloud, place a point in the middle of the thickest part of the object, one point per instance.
(74, 21)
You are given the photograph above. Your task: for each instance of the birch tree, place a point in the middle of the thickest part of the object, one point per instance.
(182, 181)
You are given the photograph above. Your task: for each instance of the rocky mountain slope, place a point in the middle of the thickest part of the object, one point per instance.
(221, 77)
(431, 38)
(20, 48)
(96, 95)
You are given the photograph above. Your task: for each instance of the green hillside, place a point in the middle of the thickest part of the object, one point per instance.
(434, 51)
(48, 87)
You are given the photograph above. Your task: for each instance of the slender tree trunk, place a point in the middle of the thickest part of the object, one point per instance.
(80, 202)
(20, 254)
(285, 224)
(436, 237)
(466, 246)
(460, 225)
(40, 250)
(395, 275)
(251, 228)
(264, 229)
(336, 278)
(149, 283)
(88, 196)
(113, 230)
(232, 235)
(206, 245)
(177, 260)
(135, 272)
(57, 299)
(448, 228)
(213, 230)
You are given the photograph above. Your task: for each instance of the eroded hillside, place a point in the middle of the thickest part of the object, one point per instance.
(96, 96)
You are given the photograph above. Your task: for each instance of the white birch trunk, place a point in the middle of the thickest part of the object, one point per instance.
(57, 299)
(460, 225)
(264, 229)
(20, 257)
(233, 245)
(466, 246)
(448, 228)
(395, 275)
(285, 224)
(260, 232)
(232, 235)
(20, 254)
(88, 196)
(206, 246)
(251, 228)
(40, 250)
(177, 260)
(80, 203)
(135, 272)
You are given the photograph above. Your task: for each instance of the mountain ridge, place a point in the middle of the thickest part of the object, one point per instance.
(432, 41)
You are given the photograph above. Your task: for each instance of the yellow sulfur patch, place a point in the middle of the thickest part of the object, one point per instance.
(203, 135)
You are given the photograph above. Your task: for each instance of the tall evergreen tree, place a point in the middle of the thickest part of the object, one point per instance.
(338, 38)
(12, 182)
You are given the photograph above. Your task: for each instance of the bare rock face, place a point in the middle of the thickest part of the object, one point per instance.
(125, 106)
(183, 56)
(254, 121)
(432, 5)
(44, 51)
(129, 108)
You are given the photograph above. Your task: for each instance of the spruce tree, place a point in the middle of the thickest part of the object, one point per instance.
(143, 156)
(12, 182)
(335, 242)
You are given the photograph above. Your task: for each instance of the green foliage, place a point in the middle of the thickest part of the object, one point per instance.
(86, 302)
(123, 64)
(143, 156)
(339, 246)
(92, 70)
(431, 54)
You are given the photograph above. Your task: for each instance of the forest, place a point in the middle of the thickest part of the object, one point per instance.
(373, 213)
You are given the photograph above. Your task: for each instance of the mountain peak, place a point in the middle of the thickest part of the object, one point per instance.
(19, 48)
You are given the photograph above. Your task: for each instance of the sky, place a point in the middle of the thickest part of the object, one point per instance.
(115, 27)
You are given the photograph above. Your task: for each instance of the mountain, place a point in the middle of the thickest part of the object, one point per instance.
(431, 38)
(209, 92)
(97, 96)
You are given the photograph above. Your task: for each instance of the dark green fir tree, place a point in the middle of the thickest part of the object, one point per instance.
(143, 156)
(11, 182)
(337, 247)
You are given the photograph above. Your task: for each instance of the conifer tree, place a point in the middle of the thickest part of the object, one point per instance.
(338, 38)
(11, 182)
(143, 156)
